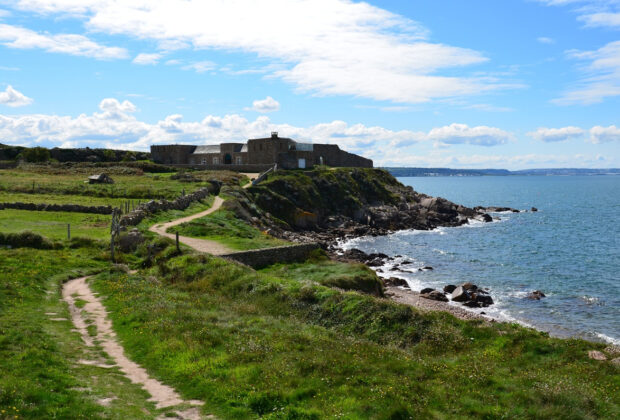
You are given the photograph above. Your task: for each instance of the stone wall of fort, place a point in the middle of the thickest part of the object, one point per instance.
(171, 154)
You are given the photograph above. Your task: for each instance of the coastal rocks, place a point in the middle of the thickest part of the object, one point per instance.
(533, 209)
(395, 281)
(426, 290)
(471, 296)
(495, 209)
(449, 288)
(536, 295)
(434, 295)
(460, 294)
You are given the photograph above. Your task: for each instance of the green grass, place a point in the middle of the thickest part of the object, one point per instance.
(41, 376)
(320, 269)
(14, 197)
(258, 345)
(147, 186)
(222, 226)
(54, 224)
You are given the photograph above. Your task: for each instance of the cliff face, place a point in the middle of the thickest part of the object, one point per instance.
(352, 201)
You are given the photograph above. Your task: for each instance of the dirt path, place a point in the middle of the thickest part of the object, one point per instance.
(202, 245)
(94, 314)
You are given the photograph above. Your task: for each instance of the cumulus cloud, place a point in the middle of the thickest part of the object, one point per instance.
(556, 134)
(13, 98)
(266, 105)
(463, 134)
(23, 38)
(115, 125)
(338, 47)
(600, 134)
(147, 59)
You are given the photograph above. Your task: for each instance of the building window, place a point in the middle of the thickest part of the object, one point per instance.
(238, 160)
(204, 161)
(216, 160)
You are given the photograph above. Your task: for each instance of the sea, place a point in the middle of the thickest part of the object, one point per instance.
(569, 249)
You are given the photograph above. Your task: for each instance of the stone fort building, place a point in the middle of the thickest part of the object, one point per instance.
(258, 155)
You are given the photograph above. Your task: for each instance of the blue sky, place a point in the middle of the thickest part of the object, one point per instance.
(468, 84)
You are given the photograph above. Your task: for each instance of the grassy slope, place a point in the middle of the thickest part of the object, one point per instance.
(41, 376)
(54, 224)
(251, 345)
(222, 226)
(321, 270)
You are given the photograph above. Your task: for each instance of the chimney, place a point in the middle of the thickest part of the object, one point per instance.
(274, 134)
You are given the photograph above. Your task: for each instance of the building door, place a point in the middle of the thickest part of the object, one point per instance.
(227, 159)
(301, 163)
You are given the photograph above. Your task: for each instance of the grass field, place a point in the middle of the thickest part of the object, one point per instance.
(222, 226)
(147, 186)
(53, 224)
(255, 345)
(12, 197)
(41, 376)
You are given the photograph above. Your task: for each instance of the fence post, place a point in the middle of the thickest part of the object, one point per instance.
(177, 240)
(68, 230)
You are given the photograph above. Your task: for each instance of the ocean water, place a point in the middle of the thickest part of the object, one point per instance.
(569, 249)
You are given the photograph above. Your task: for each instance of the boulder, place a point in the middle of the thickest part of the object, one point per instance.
(483, 299)
(536, 295)
(426, 290)
(129, 242)
(472, 304)
(434, 295)
(355, 254)
(596, 355)
(469, 286)
(395, 281)
(428, 267)
(534, 209)
(449, 288)
(460, 295)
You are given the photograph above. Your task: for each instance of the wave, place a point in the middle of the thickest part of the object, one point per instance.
(608, 339)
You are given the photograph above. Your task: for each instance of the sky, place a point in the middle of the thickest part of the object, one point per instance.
(512, 84)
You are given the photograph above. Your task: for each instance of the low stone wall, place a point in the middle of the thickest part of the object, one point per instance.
(134, 217)
(259, 258)
(76, 208)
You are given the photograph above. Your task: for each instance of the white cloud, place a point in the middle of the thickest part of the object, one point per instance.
(545, 40)
(147, 59)
(22, 38)
(198, 67)
(594, 13)
(4, 13)
(600, 134)
(601, 76)
(463, 134)
(602, 19)
(13, 98)
(266, 105)
(556, 134)
(328, 47)
(116, 126)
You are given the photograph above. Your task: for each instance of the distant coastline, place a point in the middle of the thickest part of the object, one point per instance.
(405, 172)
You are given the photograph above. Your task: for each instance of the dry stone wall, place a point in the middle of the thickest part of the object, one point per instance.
(259, 258)
(76, 208)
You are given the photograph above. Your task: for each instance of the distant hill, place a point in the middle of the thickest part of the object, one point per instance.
(403, 172)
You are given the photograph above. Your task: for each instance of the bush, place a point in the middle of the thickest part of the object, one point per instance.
(25, 240)
(36, 155)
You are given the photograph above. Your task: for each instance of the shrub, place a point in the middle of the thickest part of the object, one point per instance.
(36, 155)
(25, 240)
